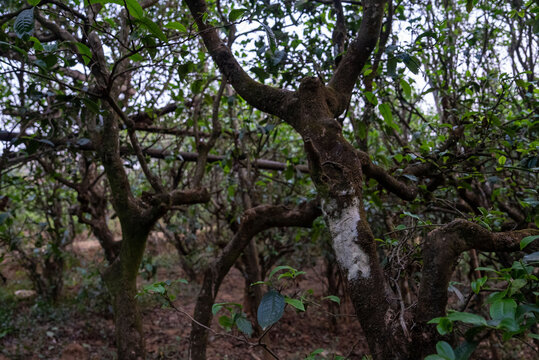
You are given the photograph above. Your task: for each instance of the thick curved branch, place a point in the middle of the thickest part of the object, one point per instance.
(339, 32)
(162, 202)
(359, 50)
(389, 183)
(58, 31)
(253, 221)
(260, 218)
(441, 250)
(265, 98)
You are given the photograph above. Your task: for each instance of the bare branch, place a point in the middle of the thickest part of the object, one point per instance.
(441, 251)
(59, 144)
(265, 98)
(359, 50)
(390, 183)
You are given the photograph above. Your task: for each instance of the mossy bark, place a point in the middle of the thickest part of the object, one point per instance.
(121, 281)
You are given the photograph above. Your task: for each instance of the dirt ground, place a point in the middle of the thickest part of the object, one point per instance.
(83, 329)
(80, 326)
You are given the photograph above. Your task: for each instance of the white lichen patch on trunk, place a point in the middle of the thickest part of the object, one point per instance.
(343, 227)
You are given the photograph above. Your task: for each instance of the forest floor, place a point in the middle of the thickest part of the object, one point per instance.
(80, 325)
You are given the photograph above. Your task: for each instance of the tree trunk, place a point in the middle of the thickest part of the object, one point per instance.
(253, 294)
(121, 280)
(336, 170)
(203, 314)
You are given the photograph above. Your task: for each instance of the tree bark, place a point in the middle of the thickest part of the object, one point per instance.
(440, 252)
(253, 221)
(121, 281)
(335, 166)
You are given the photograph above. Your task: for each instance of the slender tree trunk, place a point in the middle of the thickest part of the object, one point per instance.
(253, 294)
(203, 314)
(121, 280)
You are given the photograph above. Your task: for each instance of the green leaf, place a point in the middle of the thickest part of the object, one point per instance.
(516, 285)
(279, 268)
(295, 303)
(465, 350)
(154, 29)
(215, 308)
(218, 306)
(235, 14)
(385, 110)
(174, 25)
(272, 40)
(313, 354)
(521, 83)
(46, 142)
(371, 98)
(24, 24)
(16, 48)
(271, 309)
(244, 325)
(3, 217)
(495, 296)
(134, 8)
(501, 160)
(136, 57)
(527, 240)
(468, 318)
(333, 298)
(155, 287)
(406, 89)
(483, 268)
(85, 52)
(226, 321)
(411, 62)
(51, 47)
(428, 33)
(409, 176)
(509, 324)
(37, 44)
(33, 2)
(91, 105)
(445, 350)
(392, 66)
(291, 275)
(503, 308)
(83, 142)
(533, 257)
(278, 56)
(478, 284)
(435, 357)
(469, 5)
(445, 326)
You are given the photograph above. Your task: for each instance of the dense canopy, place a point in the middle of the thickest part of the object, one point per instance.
(390, 145)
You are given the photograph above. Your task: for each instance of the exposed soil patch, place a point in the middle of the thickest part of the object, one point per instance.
(81, 326)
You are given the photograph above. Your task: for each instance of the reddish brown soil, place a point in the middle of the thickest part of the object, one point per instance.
(83, 330)
(72, 333)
